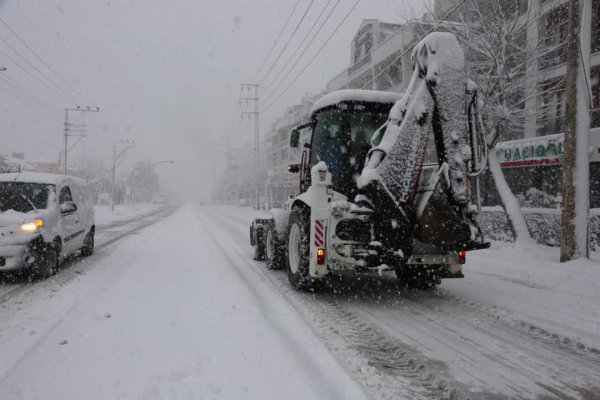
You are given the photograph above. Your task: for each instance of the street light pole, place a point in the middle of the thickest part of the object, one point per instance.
(141, 172)
(114, 166)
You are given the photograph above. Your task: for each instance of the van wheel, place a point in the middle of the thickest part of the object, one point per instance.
(45, 264)
(297, 250)
(88, 245)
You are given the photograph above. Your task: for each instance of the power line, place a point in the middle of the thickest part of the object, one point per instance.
(288, 42)
(23, 96)
(74, 90)
(33, 75)
(27, 94)
(276, 41)
(300, 55)
(295, 52)
(314, 56)
(34, 67)
(73, 94)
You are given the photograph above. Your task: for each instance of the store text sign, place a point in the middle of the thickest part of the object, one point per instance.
(535, 151)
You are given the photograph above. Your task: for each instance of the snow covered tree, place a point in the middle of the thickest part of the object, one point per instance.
(144, 181)
(493, 35)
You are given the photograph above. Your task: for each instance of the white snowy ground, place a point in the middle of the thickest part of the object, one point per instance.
(520, 324)
(170, 313)
(182, 311)
(123, 212)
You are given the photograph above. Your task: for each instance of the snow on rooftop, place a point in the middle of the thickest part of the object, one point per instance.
(338, 96)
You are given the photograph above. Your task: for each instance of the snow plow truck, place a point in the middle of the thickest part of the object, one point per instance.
(387, 181)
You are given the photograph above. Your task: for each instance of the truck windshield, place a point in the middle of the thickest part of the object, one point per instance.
(23, 196)
(341, 138)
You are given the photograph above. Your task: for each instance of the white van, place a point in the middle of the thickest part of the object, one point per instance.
(43, 219)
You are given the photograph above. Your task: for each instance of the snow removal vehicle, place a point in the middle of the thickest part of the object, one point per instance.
(385, 180)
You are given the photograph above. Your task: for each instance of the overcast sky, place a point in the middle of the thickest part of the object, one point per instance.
(164, 73)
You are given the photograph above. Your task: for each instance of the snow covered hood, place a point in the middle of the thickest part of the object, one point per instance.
(338, 96)
(38, 177)
(12, 217)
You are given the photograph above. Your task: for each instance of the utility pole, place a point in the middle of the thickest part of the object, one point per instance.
(252, 88)
(574, 217)
(228, 187)
(68, 130)
(129, 144)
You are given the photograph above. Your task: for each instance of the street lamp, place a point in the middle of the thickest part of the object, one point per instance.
(129, 145)
(141, 172)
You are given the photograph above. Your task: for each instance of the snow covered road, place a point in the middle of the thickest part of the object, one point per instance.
(169, 313)
(181, 310)
(486, 336)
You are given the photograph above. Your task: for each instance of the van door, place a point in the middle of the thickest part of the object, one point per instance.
(71, 228)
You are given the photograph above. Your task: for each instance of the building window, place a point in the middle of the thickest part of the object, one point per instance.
(595, 82)
(364, 38)
(365, 81)
(388, 73)
(554, 31)
(551, 118)
(595, 26)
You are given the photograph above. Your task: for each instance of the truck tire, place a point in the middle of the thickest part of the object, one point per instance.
(298, 250)
(259, 243)
(274, 254)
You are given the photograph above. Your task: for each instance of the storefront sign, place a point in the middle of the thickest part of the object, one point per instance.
(535, 151)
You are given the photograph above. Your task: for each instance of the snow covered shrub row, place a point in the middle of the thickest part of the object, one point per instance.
(543, 223)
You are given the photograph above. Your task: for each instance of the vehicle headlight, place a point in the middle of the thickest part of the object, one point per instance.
(32, 226)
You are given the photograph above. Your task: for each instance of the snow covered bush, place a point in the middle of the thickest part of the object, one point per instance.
(543, 224)
(536, 198)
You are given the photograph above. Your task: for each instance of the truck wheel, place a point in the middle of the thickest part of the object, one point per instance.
(259, 244)
(274, 254)
(297, 251)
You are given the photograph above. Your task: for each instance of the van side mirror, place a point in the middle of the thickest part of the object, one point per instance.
(68, 207)
(294, 168)
(294, 138)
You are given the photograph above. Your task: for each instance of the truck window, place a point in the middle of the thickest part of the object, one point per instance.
(341, 138)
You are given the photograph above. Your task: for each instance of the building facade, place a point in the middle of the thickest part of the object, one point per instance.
(532, 163)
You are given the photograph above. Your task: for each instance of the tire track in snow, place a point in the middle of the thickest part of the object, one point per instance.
(386, 367)
(270, 314)
(544, 376)
(494, 312)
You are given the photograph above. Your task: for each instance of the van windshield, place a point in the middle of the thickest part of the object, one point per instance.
(23, 196)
